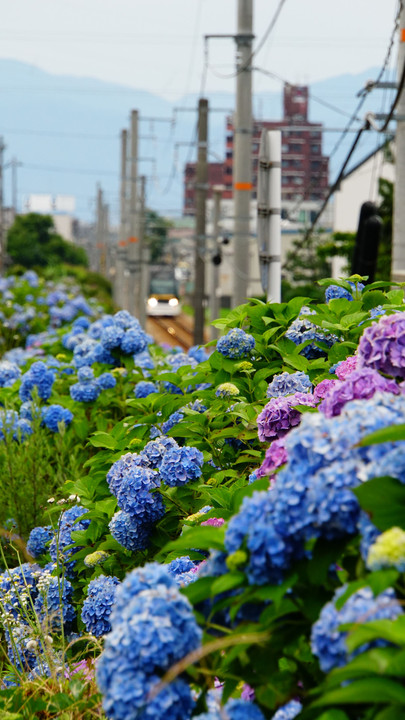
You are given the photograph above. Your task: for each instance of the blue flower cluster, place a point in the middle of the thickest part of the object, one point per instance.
(153, 626)
(9, 373)
(98, 604)
(87, 389)
(144, 388)
(302, 330)
(288, 711)
(68, 521)
(181, 465)
(37, 376)
(54, 604)
(234, 710)
(288, 384)
(38, 540)
(312, 495)
(183, 570)
(106, 381)
(335, 291)
(328, 642)
(125, 334)
(53, 415)
(11, 424)
(236, 343)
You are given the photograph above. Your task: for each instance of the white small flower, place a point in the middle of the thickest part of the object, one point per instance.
(31, 644)
(62, 501)
(51, 500)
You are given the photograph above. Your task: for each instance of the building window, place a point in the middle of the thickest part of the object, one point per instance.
(284, 148)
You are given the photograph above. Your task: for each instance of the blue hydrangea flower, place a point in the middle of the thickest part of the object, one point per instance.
(335, 291)
(134, 341)
(144, 388)
(85, 391)
(68, 521)
(85, 373)
(288, 711)
(236, 343)
(181, 465)
(155, 450)
(37, 376)
(288, 384)
(129, 531)
(98, 604)
(302, 330)
(153, 626)
(112, 336)
(144, 360)
(197, 352)
(9, 373)
(54, 605)
(328, 642)
(38, 540)
(106, 381)
(134, 495)
(53, 415)
(121, 468)
(171, 421)
(233, 710)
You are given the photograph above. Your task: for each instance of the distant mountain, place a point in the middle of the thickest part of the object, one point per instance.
(65, 131)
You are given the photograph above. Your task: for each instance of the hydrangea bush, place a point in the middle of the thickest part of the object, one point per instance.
(215, 534)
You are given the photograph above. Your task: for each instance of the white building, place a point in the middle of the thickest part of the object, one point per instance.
(61, 208)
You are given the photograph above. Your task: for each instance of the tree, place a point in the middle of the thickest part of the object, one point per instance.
(156, 235)
(32, 241)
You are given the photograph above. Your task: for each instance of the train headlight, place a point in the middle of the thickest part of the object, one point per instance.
(152, 302)
(173, 302)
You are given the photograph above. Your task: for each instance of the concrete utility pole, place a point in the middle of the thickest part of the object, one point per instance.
(269, 213)
(201, 187)
(99, 233)
(242, 166)
(2, 234)
(214, 263)
(144, 255)
(398, 240)
(133, 240)
(121, 253)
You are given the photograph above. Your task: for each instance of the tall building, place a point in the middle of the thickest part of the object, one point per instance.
(305, 170)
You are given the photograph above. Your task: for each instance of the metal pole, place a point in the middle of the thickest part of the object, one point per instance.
(242, 167)
(398, 240)
(121, 254)
(274, 246)
(214, 285)
(144, 255)
(201, 196)
(99, 231)
(133, 240)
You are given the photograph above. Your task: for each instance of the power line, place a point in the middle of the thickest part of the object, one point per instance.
(259, 46)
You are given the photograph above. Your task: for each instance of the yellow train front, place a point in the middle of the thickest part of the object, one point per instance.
(163, 298)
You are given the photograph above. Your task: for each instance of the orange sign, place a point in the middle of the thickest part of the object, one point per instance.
(243, 186)
(122, 243)
(132, 239)
(402, 34)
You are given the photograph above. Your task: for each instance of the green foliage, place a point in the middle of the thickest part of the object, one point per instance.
(32, 242)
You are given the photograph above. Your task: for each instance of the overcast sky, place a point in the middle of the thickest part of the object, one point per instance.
(157, 45)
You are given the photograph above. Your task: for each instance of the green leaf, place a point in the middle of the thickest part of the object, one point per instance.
(395, 297)
(391, 630)
(198, 590)
(392, 433)
(200, 538)
(373, 298)
(384, 499)
(378, 581)
(103, 440)
(227, 582)
(379, 690)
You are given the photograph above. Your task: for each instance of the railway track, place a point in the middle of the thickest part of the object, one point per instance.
(171, 330)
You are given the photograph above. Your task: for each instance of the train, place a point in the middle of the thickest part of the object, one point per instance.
(163, 297)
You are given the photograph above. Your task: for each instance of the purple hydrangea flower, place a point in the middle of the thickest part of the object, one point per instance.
(382, 346)
(276, 456)
(289, 383)
(323, 388)
(359, 384)
(345, 367)
(279, 415)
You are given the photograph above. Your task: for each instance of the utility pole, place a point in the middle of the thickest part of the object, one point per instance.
(242, 167)
(398, 240)
(121, 254)
(2, 235)
(269, 213)
(214, 262)
(99, 232)
(133, 240)
(201, 197)
(144, 255)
